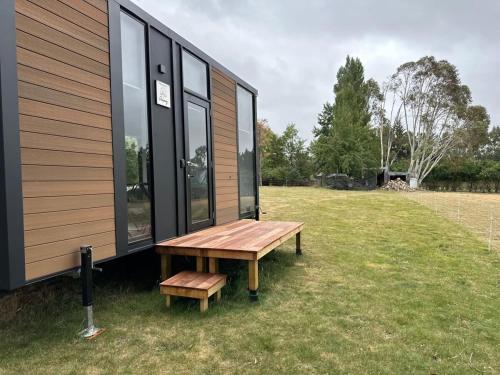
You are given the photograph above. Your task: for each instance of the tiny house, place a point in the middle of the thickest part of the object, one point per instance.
(114, 132)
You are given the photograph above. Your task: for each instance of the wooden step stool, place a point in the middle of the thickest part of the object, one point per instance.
(199, 285)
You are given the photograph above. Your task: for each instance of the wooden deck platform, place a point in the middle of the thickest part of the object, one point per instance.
(243, 239)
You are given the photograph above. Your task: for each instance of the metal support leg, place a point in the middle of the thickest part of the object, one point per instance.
(166, 266)
(298, 249)
(253, 279)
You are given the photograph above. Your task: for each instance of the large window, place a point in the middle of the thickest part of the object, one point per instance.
(137, 146)
(194, 74)
(246, 151)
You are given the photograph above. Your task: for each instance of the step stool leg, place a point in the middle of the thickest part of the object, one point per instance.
(200, 264)
(168, 301)
(166, 266)
(203, 305)
(213, 265)
(298, 249)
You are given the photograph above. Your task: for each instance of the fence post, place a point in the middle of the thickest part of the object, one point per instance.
(491, 229)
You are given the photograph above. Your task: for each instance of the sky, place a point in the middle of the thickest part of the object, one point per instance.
(291, 50)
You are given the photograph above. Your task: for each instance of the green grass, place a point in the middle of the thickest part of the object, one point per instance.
(384, 287)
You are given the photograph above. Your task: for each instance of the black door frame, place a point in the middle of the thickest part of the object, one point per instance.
(188, 98)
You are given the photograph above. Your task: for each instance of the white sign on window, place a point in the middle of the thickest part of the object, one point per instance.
(162, 94)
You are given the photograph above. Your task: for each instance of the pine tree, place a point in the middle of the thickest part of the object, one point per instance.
(344, 141)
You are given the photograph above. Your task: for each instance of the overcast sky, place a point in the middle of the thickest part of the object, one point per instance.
(291, 50)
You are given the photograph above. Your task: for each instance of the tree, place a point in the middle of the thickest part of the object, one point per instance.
(344, 141)
(285, 158)
(429, 100)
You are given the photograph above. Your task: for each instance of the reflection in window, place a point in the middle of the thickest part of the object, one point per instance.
(246, 151)
(194, 74)
(136, 128)
(197, 163)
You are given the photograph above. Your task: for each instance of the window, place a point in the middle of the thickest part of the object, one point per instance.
(246, 151)
(194, 74)
(135, 111)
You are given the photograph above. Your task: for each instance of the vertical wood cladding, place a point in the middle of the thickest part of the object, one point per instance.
(225, 147)
(65, 123)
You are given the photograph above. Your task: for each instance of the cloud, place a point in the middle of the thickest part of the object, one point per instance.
(291, 50)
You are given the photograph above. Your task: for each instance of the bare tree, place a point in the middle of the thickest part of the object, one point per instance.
(427, 97)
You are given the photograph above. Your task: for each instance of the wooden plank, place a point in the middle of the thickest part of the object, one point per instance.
(52, 235)
(221, 103)
(232, 155)
(225, 140)
(54, 112)
(224, 134)
(55, 249)
(220, 88)
(75, 159)
(53, 204)
(224, 114)
(61, 218)
(64, 129)
(226, 176)
(74, 16)
(88, 10)
(227, 197)
(225, 161)
(228, 190)
(49, 34)
(53, 51)
(224, 95)
(99, 4)
(224, 147)
(51, 81)
(226, 183)
(52, 173)
(59, 188)
(46, 64)
(224, 81)
(228, 204)
(233, 169)
(66, 262)
(58, 143)
(61, 99)
(50, 19)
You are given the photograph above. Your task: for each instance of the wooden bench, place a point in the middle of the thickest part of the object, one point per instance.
(243, 239)
(199, 285)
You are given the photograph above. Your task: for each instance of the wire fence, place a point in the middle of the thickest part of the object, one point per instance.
(480, 213)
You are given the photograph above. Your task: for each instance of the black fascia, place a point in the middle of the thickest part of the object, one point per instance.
(12, 266)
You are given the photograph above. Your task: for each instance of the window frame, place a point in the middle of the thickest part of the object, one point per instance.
(207, 74)
(249, 214)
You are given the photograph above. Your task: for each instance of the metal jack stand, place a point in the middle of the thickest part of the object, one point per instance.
(90, 331)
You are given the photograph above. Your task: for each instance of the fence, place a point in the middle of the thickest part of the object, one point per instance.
(480, 213)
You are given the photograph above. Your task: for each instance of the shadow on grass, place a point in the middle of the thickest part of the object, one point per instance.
(50, 312)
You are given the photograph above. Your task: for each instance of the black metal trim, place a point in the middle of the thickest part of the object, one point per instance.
(210, 221)
(12, 257)
(249, 214)
(257, 158)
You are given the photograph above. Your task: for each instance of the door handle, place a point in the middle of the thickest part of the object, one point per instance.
(182, 163)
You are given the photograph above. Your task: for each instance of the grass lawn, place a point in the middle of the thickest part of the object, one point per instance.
(385, 286)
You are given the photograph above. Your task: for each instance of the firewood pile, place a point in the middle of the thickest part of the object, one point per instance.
(397, 185)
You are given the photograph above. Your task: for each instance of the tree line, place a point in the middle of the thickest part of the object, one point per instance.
(420, 121)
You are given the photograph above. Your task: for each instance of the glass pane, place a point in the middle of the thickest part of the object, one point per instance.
(194, 74)
(246, 151)
(197, 163)
(136, 128)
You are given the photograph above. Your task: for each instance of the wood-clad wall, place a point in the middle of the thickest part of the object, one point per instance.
(225, 147)
(65, 122)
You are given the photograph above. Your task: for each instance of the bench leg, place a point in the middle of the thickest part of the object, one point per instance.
(298, 249)
(166, 266)
(218, 296)
(203, 305)
(168, 301)
(253, 279)
(213, 265)
(200, 264)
